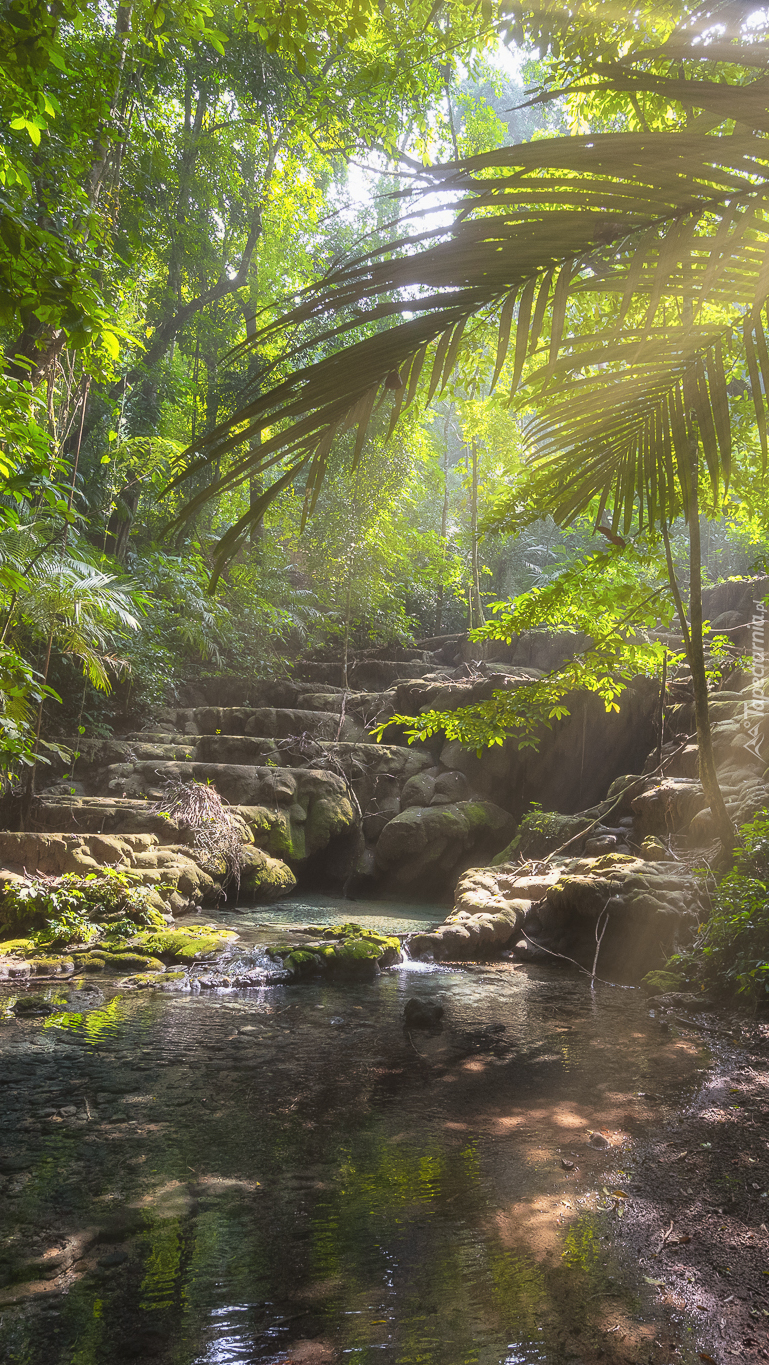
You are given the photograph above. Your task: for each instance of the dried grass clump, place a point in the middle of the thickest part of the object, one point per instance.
(216, 832)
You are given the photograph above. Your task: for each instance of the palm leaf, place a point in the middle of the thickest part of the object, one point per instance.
(648, 216)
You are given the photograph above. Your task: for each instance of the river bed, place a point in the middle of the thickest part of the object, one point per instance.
(284, 1173)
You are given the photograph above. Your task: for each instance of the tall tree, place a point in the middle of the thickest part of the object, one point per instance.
(634, 265)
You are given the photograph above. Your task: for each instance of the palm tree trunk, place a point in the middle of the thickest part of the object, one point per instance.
(707, 764)
(477, 617)
(444, 526)
(347, 615)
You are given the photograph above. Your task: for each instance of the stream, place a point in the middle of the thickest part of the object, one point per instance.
(284, 1173)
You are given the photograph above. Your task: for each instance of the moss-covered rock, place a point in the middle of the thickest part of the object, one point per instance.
(142, 980)
(90, 964)
(17, 947)
(52, 966)
(364, 957)
(541, 832)
(423, 847)
(262, 878)
(303, 962)
(133, 962)
(660, 983)
(350, 954)
(186, 945)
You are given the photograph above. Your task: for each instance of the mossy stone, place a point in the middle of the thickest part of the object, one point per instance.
(17, 947)
(127, 962)
(188, 945)
(303, 962)
(660, 983)
(52, 966)
(91, 964)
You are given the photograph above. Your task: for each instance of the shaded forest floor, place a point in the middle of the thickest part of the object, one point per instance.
(697, 1214)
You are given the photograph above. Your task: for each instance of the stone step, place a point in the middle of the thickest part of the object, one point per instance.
(156, 736)
(377, 773)
(104, 815)
(178, 878)
(269, 722)
(373, 675)
(293, 814)
(98, 753)
(237, 784)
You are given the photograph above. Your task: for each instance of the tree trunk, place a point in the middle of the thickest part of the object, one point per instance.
(477, 617)
(707, 764)
(444, 524)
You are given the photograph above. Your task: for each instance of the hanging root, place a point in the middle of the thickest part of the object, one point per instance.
(216, 833)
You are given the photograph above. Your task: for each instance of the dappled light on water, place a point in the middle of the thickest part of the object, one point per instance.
(287, 1173)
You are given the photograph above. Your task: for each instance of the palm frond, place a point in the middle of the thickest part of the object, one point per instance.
(651, 216)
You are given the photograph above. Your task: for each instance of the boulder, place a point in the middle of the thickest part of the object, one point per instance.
(667, 806)
(422, 1013)
(423, 848)
(262, 878)
(544, 832)
(418, 790)
(647, 912)
(450, 787)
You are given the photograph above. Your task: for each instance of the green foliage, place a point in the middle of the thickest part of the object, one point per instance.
(611, 599)
(76, 909)
(732, 949)
(22, 691)
(189, 633)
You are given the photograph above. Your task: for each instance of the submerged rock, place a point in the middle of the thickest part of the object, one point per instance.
(348, 952)
(29, 1006)
(422, 1013)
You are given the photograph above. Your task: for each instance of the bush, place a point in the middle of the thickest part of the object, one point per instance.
(74, 909)
(732, 949)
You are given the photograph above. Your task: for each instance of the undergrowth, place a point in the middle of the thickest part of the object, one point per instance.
(731, 952)
(76, 909)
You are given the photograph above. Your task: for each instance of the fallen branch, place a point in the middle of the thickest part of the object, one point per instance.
(604, 915)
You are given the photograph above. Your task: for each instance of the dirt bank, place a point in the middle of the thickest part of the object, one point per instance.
(697, 1211)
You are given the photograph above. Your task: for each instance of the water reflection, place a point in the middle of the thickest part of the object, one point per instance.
(285, 1174)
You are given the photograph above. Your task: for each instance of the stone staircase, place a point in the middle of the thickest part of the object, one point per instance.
(317, 800)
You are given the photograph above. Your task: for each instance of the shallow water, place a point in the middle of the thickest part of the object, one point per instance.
(285, 1174)
(382, 916)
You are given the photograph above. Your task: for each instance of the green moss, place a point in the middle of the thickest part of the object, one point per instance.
(90, 963)
(371, 945)
(187, 945)
(302, 962)
(17, 947)
(326, 819)
(660, 982)
(280, 949)
(142, 980)
(348, 930)
(51, 966)
(134, 962)
(272, 832)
